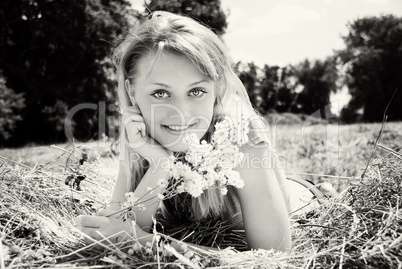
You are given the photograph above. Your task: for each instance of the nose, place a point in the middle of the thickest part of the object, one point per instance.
(180, 110)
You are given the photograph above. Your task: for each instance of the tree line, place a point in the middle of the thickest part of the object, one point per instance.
(302, 89)
(56, 55)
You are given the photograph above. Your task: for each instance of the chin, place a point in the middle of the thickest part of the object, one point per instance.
(177, 145)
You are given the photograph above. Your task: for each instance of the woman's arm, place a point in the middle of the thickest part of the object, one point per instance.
(283, 184)
(97, 228)
(148, 202)
(148, 199)
(116, 229)
(120, 188)
(263, 206)
(106, 224)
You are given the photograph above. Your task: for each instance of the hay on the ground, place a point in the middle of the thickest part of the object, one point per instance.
(360, 228)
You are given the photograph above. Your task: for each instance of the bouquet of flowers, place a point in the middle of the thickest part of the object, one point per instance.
(204, 165)
(210, 165)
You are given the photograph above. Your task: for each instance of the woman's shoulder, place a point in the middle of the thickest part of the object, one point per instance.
(258, 137)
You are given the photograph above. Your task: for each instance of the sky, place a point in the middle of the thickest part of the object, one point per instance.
(282, 32)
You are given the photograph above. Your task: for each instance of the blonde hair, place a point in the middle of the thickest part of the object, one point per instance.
(169, 33)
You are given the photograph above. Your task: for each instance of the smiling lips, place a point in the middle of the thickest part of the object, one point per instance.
(178, 127)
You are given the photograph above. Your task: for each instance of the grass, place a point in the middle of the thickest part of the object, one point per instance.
(361, 227)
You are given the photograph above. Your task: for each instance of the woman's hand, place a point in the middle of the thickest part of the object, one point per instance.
(110, 211)
(137, 137)
(116, 230)
(99, 227)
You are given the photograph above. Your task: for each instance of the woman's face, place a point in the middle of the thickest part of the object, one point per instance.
(174, 97)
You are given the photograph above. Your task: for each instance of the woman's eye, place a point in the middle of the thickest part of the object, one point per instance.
(197, 92)
(160, 94)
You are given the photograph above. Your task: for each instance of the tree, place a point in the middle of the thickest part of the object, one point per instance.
(288, 90)
(10, 107)
(373, 63)
(58, 54)
(318, 81)
(208, 12)
(278, 88)
(269, 88)
(248, 74)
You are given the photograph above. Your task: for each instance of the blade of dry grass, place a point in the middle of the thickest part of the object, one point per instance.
(384, 120)
(396, 154)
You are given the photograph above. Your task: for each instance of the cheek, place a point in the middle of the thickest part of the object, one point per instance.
(152, 120)
(205, 114)
(207, 109)
(149, 117)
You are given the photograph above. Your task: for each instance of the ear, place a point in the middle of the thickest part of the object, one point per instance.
(127, 95)
(218, 101)
(127, 85)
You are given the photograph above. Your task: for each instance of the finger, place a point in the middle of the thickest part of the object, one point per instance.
(78, 220)
(131, 215)
(104, 212)
(90, 221)
(133, 117)
(90, 232)
(143, 129)
(89, 240)
(130, 110)
(96, 244)
(135, 131)
(92, 236)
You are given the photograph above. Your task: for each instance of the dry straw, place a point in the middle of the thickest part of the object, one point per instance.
(360, 228)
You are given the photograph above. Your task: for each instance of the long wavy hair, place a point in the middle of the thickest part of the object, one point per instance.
(165, 32)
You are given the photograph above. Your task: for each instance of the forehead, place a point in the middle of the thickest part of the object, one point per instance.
(167, 66)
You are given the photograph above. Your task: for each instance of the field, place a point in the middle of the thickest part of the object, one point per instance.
(358, 227)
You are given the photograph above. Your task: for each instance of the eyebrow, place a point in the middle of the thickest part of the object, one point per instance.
(198, 82)
(190, 85)
(161, 84)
